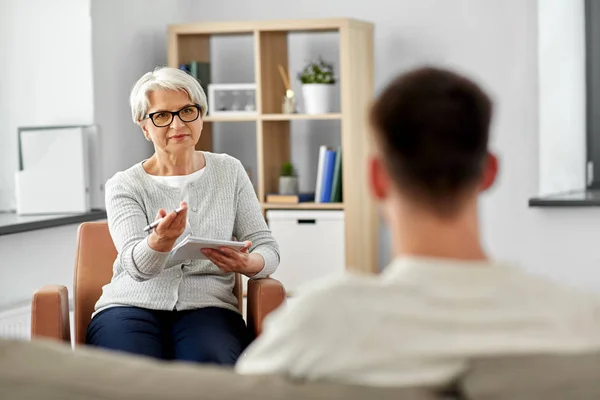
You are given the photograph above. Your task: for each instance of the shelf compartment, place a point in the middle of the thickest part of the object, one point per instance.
(274, 150)
(186, 48)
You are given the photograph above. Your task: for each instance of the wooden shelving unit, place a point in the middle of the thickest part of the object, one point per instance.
(190, 42)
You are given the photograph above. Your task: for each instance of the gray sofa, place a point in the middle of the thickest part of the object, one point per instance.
(49, 370)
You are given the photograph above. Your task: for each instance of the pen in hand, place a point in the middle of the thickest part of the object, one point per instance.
(155, 223)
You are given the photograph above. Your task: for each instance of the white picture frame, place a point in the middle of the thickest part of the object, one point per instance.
(235, 105)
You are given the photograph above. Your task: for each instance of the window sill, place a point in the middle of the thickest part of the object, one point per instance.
(582, 198)
(13, 223)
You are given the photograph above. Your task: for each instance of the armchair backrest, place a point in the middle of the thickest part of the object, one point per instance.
(94, 261)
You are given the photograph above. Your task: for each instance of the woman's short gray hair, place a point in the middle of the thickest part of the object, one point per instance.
(164, 78)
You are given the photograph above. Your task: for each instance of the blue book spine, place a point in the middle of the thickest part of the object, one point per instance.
(328, 176)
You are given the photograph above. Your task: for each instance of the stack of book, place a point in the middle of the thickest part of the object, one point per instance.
(329, 176)
(329, 181)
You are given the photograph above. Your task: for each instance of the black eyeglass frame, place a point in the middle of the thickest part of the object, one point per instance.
(173, 114)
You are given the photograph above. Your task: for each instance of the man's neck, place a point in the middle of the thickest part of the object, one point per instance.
(420, 233)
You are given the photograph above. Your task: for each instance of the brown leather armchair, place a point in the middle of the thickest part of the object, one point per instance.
(93, 269)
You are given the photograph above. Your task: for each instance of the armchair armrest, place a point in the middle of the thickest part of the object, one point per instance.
(50, 313)
(264, 296)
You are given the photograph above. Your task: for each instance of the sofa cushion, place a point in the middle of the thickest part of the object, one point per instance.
(49, 370)
(548, 377)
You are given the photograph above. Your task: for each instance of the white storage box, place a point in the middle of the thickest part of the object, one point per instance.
(311, 245)
(54, 171)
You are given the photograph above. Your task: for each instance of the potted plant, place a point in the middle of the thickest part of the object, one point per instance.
(318, 81)
(288, 181)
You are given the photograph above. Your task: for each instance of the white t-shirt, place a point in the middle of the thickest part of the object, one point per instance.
(417, 322)
(181, 182)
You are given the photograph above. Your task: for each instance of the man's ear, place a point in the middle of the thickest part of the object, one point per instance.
(378, 178)
(490, 172)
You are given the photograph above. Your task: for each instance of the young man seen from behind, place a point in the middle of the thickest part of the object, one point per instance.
(441, 299)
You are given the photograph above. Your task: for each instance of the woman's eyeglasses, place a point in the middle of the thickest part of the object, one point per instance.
(160, 119)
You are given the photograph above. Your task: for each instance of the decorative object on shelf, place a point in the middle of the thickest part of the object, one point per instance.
(232, 99)
(317, 87)
(288, 182)
(288, 105)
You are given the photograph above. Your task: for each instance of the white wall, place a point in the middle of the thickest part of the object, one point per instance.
(46, 70)
(561, 88)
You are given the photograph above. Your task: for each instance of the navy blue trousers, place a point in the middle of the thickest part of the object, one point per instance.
(210, 335)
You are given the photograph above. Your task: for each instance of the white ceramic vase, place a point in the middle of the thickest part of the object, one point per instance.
(318, 98)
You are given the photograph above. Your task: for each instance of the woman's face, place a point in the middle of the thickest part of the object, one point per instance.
(177, 135)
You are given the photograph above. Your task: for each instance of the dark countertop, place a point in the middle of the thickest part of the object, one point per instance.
(581, 198)
(13, 223)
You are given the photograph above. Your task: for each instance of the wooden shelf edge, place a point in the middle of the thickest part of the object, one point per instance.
(236, 118)
(272, 117)
(294, 117)
(249, 27)
(303, 206)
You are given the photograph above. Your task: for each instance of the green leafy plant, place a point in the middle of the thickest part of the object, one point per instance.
(287, 169)
(317, 72)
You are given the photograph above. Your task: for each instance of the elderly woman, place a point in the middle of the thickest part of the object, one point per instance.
(179, 310)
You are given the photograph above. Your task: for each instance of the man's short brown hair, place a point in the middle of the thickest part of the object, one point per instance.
(432, 126)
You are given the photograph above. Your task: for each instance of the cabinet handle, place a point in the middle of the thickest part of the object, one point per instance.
(306, 221)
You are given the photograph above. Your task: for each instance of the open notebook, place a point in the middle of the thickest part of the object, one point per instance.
(189, 248)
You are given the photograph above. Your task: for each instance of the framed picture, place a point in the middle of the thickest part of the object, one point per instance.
(232, 99)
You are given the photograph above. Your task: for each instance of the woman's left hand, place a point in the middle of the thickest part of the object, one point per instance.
(241, 261)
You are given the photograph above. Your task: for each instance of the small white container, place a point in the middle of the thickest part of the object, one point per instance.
(318, 98)
(311, 245)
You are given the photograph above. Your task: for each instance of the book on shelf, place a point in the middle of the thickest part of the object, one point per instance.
(329, 175)
(290, 198)
(200, 71)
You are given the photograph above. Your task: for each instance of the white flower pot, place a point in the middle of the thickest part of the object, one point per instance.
(318, 98)
(288, 185)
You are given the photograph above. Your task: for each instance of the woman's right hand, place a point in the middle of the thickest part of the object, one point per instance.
(164, 236)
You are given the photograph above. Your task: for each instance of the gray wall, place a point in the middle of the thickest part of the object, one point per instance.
(32, 259)
(128, 39)
(495, 42)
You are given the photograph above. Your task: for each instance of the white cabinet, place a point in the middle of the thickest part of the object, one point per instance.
(311, 245)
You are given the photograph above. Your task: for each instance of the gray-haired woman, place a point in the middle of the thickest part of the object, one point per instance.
(155, 307)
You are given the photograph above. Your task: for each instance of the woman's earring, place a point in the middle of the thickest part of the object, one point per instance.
(147, 138)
